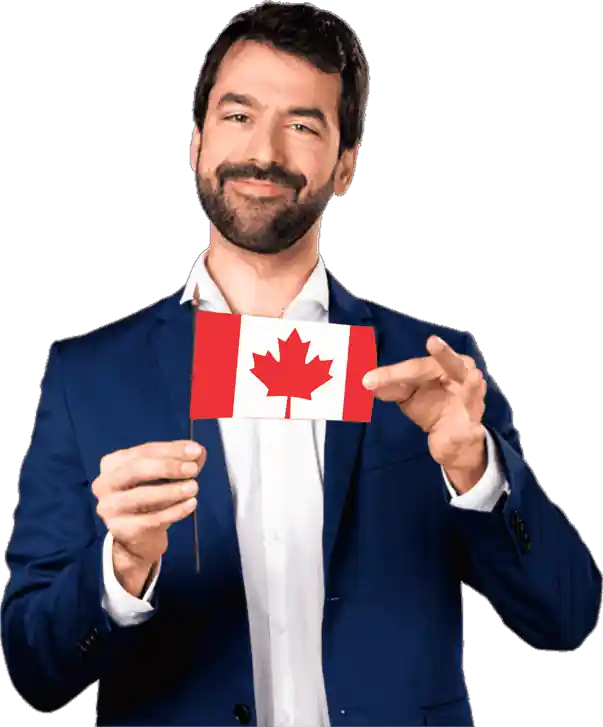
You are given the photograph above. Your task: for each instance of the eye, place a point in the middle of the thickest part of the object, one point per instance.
(304, 129)
(236, 117)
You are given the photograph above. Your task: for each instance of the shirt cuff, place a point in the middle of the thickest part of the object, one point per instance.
(486, 493)
(124, 608)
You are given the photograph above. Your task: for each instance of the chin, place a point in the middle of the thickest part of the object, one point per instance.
(259, 246)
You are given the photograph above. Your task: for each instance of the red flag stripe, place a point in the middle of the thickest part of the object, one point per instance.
(362, 357)
(215, 364)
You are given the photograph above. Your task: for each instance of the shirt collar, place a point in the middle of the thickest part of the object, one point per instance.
(315, 290)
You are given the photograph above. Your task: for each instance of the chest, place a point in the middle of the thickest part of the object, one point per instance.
(278, 464)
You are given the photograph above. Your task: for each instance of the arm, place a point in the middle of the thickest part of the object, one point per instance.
(525, 556)
(57, 638)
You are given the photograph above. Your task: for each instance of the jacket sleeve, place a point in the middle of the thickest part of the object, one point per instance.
(525, 556)
(56, 636)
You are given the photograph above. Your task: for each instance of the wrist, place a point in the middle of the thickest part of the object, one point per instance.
(132, 573)
(465, 478)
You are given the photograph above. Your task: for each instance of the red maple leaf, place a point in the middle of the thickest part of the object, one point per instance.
(291, 376)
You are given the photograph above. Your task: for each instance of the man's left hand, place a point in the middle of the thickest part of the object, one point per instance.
(443, 394)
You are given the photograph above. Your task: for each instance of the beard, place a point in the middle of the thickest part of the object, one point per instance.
(265, 225)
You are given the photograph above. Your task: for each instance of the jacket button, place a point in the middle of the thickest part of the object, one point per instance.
(517, 523)
(242, 713)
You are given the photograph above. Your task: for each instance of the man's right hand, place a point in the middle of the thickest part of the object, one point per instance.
(139, 513)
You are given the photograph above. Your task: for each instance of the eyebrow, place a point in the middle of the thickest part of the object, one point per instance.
(242, 99)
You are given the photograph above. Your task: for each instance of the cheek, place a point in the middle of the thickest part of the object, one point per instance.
(318, 165)
(214, 151)
(208, 162)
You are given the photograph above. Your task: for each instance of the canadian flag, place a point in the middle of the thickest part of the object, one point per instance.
(257, 367)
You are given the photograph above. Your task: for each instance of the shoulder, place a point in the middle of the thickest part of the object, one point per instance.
(116, 335)
(400, 330)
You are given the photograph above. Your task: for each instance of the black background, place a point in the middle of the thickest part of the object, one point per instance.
(478, 205)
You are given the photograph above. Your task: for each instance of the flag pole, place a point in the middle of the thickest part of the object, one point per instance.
(195, 303)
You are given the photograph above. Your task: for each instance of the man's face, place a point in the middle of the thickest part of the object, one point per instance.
(268, 152)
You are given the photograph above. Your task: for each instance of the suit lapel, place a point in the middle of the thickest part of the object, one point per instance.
(171, 340)
(343, 439)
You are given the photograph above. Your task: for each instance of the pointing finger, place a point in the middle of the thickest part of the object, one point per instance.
(457, 367)
(411, 372)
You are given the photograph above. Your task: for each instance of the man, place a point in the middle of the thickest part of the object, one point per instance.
(332, 553)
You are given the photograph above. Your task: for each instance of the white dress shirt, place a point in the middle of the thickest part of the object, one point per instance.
(280, 535)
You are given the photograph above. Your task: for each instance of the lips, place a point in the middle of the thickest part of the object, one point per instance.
(258, 186)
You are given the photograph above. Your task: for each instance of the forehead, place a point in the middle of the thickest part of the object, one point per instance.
(274, 78)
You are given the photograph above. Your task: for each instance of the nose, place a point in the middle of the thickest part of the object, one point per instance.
(264, 145)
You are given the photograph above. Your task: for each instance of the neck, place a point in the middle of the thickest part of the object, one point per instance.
(260, 285)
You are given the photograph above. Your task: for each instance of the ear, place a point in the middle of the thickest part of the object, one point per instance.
(195, 142)
(345, 170)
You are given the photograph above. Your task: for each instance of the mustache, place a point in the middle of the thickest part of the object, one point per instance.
(273, 173)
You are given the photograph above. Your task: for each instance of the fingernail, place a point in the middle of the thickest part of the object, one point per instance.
(189, 488)
(193, 449)
(369, 381)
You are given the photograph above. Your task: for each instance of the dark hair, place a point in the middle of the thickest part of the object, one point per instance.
(306, 31)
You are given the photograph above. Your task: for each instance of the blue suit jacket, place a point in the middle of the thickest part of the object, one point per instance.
(395, 550)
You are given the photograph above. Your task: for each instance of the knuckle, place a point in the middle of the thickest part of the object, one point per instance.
(475, 375)
(157, 450)
(174, 467)
(156, 520)
(133, 532)
(384, 377)
(101, 486)
(146, 468)
(128, 533)
(148, 501)
(139, 499)
(110, 461)
(174, 494)
(163, 448)
(149, 498)
(106, 508)
(119, 476)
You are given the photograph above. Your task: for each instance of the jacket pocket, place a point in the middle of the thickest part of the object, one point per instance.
(378, 455)
(450, 714)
